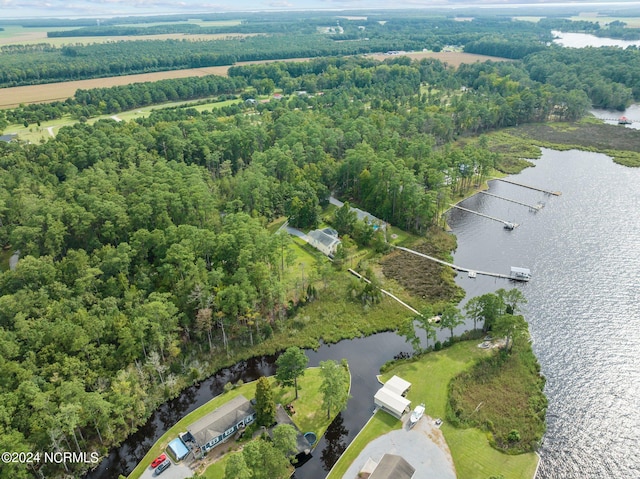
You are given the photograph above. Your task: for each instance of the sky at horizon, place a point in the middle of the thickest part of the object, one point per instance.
(12, 9)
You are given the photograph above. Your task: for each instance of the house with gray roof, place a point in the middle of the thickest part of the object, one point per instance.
(219, 425)
(326, 240)
(8, 138)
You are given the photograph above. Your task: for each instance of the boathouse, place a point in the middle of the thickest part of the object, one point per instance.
(390, 397)
(521, 274)
(398, 385)
(219, 425)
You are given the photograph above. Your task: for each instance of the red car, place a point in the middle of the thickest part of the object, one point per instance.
(158, 460)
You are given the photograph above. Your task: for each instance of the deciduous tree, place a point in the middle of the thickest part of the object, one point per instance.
(291, 365)
(334, 386)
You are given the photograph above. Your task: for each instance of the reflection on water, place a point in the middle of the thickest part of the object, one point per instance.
(583, 40)
(335, 438)
(583, 310)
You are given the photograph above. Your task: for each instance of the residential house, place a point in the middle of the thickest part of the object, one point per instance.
(326, 240)
(219, 425)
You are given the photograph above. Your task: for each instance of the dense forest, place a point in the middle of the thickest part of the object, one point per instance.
(301, 37)
(144, 247)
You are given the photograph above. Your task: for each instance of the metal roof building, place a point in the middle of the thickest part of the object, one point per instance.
(391, 402)
(398, 385)
(217, 426)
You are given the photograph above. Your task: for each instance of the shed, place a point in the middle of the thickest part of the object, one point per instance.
(178, 449)
(393, 467)
(391, 402)
(217, 426)
(398, 385)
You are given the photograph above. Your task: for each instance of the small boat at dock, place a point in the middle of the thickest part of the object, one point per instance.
(623, 120)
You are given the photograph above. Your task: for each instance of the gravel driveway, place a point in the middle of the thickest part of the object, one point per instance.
(424, 447)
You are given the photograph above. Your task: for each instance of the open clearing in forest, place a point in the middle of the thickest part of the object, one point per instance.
(453, 59)
(12, 97)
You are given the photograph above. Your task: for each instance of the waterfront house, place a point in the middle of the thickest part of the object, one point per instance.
(219, 425)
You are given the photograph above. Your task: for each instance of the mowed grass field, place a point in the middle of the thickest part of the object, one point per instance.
(12, 97)
(49, 129)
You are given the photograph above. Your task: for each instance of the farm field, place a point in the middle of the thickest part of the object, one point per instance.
(632, 22)
(49, 129)
(17, 35)
(12, 97)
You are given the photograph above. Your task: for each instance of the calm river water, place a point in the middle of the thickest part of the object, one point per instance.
(583, 249)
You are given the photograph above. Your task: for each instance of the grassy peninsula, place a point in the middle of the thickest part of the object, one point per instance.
(466, 368)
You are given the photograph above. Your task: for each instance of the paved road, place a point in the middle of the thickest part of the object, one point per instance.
(13, 261)
(298, 233)
(424, 447)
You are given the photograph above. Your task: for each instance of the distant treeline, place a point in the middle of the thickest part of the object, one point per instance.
(27, 65)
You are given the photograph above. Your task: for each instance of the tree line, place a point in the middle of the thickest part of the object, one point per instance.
(275, 38)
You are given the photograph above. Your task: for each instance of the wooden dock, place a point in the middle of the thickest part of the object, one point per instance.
(507, 224)
(459, 268)
(531, 207)
(555, 193)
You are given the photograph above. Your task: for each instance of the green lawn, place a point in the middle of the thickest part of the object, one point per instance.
(430, 376)
(380, 423)
(36, 134)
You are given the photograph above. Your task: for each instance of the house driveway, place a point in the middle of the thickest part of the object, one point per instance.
(175, 471)
(423, 446)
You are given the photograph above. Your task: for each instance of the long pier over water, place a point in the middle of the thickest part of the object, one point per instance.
(456, 267)
(555, 193)
(533, 207)
(507, 224)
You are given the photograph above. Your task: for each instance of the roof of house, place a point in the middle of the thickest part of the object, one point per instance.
(393, 467)
(323, 238)
(397, 385)
(218, 421)
(391, 400)
(8, 137)
(330, 232)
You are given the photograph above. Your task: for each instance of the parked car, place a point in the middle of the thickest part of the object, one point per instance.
(158, 460)
(162, 467)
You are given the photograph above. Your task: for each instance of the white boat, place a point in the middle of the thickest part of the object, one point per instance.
(416, 415)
